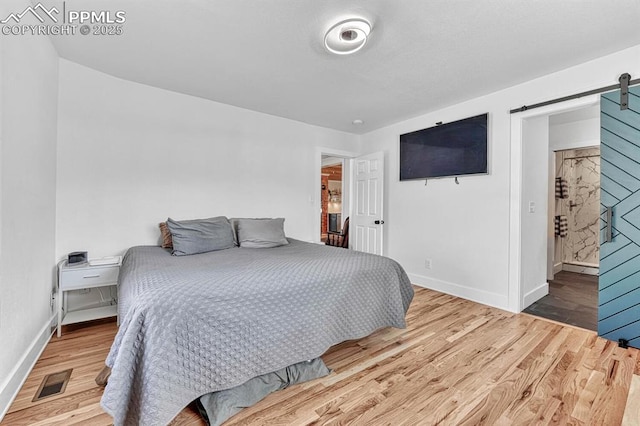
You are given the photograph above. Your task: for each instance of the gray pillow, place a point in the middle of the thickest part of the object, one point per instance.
(260, 233)
(200, 235)
(234, 227)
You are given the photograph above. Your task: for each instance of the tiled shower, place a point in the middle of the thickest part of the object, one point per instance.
(578, 248)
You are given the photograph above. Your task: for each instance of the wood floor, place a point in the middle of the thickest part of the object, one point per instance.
(572, 299)
(458, 362)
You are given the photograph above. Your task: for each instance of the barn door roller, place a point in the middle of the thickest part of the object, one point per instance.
(624, 90)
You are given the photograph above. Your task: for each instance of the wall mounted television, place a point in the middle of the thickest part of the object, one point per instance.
(447, 150)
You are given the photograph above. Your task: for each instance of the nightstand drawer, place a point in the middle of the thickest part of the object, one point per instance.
(88, 277)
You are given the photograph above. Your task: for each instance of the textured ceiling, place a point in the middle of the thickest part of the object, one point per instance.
(423, 55)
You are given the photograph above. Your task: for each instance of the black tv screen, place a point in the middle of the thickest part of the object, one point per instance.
(453, 149)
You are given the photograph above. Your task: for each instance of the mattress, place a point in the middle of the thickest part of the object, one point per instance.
(191, 325)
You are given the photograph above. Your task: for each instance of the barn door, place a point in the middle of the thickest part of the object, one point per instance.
(619, 285)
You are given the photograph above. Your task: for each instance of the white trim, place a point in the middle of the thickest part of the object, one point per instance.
(20, 372)
(480, 296)
(515, 216)
(331, 161)
(581, 269)
(515, 299)
(557, 268)
(316, 198)
(575, 145)
(536, 294)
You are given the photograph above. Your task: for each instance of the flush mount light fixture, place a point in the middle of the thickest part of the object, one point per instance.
(357, 122)
(347, 37)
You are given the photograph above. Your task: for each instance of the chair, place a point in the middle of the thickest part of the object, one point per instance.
(341, 239)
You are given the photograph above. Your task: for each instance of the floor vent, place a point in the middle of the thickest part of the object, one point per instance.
(53, 384)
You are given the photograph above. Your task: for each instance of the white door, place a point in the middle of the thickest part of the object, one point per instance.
(367, 219)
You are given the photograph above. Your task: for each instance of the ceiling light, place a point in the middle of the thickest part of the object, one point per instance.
(357, 121)
(347, 37)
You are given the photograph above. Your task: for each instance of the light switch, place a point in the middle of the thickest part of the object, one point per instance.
(532, 207)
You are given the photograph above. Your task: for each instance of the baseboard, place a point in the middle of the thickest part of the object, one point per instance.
(536, 294)
(20, 372)
(581, 269)
(480, 296)
(557, 268)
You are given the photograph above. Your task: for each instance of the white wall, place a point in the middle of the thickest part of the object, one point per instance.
(460, 228)
(575, 134)
(131, 155)
(535, 196)
(465, 229)
(29, 91)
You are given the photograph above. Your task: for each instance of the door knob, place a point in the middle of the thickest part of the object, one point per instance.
(379, 222)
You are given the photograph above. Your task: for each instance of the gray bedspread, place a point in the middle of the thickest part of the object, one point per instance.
(191, 325)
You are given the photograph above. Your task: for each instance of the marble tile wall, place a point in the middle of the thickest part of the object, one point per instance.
(581, 169)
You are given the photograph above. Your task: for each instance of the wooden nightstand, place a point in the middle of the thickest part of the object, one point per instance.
(80, 277)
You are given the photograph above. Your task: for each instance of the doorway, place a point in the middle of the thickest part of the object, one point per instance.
(562, 283)
(361, 198)
(573, 230)
(618, 289)
(329, 157)
(333, 210)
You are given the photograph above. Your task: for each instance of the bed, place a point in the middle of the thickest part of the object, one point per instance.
(196, 324)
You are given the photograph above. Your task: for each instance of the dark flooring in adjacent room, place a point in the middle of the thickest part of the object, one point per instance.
(572, 299)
